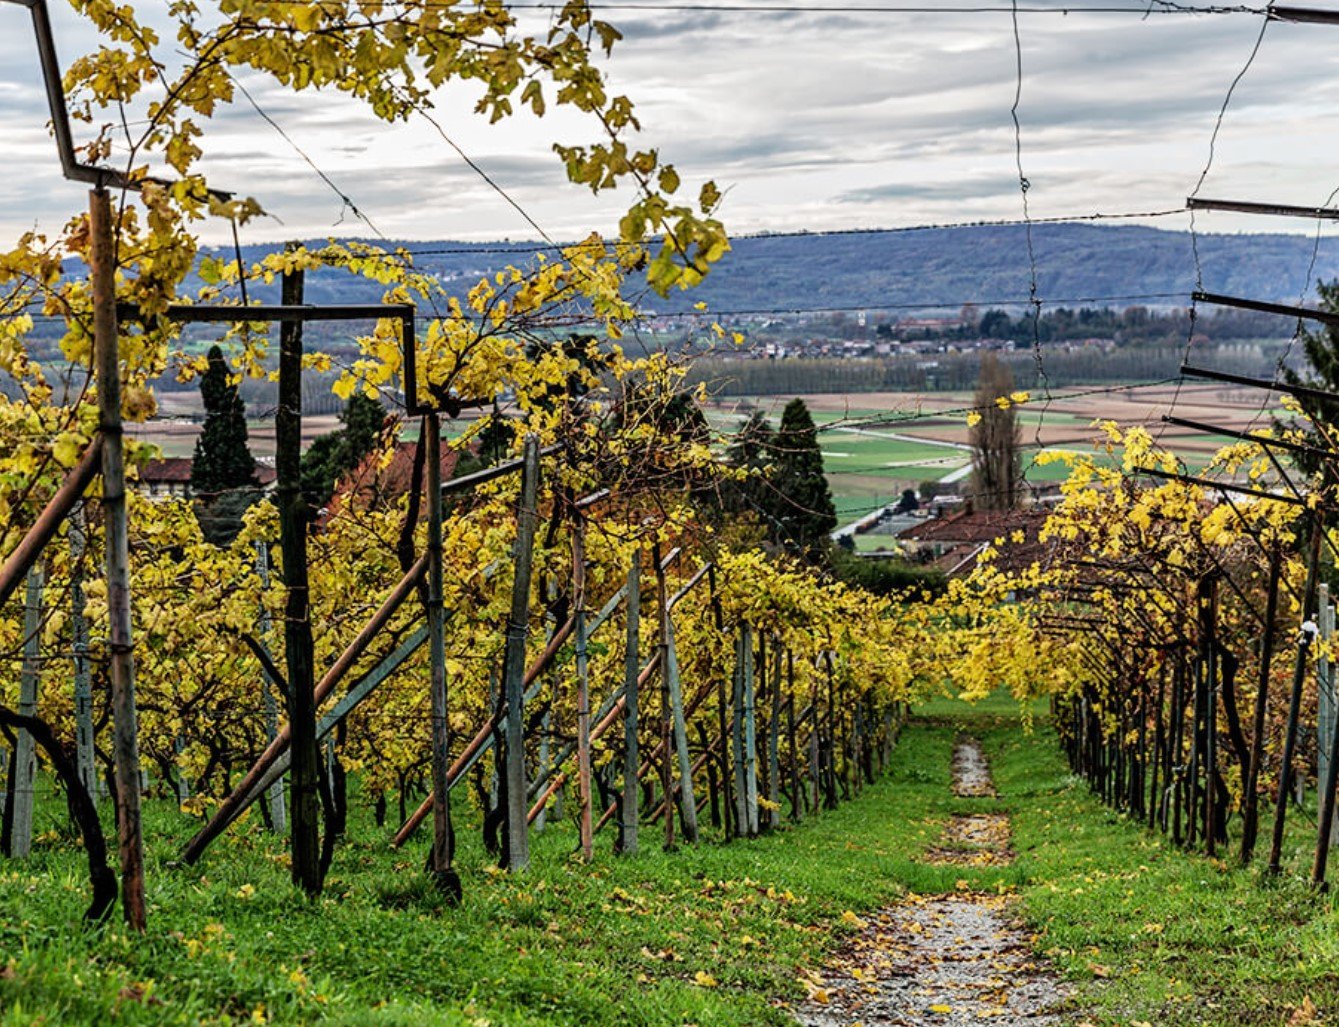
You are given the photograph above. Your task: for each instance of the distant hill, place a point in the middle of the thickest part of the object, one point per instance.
(933, 268)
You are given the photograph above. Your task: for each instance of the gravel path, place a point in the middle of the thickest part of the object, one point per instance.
(954, 960)
(971, 771)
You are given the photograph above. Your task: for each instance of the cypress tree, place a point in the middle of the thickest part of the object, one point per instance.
(223, 471)
(222, 461)
(804, 514)
(753, 449)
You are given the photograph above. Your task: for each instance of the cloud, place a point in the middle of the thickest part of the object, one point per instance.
(809, 120)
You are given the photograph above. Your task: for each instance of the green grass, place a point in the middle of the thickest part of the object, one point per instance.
(562, 943)
(1146, 931)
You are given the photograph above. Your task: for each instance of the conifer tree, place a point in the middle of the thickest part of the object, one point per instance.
(753, 449)
(223, 471)
(1321, 349)
(804, 514)
(222, 461)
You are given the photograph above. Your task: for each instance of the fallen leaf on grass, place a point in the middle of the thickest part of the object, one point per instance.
(1305, 1013)
(704, 980)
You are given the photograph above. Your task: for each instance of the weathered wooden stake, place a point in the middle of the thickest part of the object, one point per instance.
(120, 647)
(1250, 813)
(631, 813)
(666, 716)
(583, 689)
(723, 719)
(513, 670)
(25, 762)
(85, 761)
(774, 741)
(299, 647)
(742, 656)
(1304, 640)
(750, 735)
(674, 689)
(1327, 748)
(443, 841)
(1209, 611)
(275, 793)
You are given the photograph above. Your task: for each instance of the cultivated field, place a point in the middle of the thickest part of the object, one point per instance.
(877, 444)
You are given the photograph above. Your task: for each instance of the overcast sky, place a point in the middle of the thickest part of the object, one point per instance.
(807, 120)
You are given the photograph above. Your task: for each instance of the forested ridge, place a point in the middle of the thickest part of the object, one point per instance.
(934, 267)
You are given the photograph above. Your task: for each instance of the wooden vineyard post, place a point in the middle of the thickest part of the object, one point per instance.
(815, 759)
(1176, 774)
(443, 873)
(583, 688)
(85, 761)
(1159, 750)
(23, 769)
(299, 647)
(750, 736)
(125, 745)
(1304, 640)
(666, 717)
(723, 718)
(674, 690)
(1328, 751)
(793, 754)
(1250, 813)
(737, 733)
(830, 738)
(631, 813)
(793, 742)
(1209, 613)
(275, 795)
(513, 670)
(774, 741)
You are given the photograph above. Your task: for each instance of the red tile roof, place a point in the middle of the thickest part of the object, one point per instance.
(176, 470)
(371, 483)
(170, 470)
(977, 526)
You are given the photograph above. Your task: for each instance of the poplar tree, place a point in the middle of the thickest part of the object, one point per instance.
(995, 438)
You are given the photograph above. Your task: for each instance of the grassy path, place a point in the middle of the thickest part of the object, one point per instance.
(713, 935)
